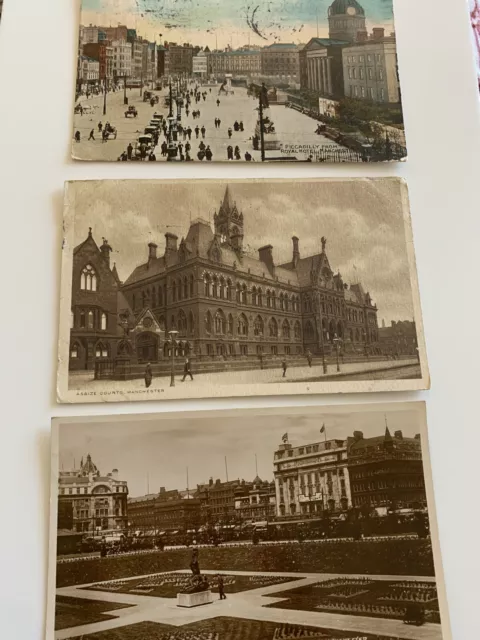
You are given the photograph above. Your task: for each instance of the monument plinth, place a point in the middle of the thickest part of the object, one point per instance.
(197, 599)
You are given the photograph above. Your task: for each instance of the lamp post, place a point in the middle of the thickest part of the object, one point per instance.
(337, 341)
(105, 94)
(172, 333)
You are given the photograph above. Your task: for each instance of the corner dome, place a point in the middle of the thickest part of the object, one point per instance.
(340, 8)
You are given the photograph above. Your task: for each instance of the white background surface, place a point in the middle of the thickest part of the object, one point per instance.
(38, 45)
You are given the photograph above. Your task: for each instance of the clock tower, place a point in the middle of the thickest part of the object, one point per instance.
(345, 19)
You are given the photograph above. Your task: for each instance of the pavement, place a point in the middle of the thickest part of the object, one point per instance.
(291, 126)
(84, 381)
(251, 605)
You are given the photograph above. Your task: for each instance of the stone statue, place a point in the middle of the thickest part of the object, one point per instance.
(194, 566)
(324, 244)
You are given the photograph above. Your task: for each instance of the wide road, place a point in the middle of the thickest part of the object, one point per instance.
(292, 127)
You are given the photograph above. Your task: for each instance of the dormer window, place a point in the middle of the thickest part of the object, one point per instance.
(88, 279)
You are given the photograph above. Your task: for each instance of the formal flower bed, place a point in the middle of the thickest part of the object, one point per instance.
(391, 556)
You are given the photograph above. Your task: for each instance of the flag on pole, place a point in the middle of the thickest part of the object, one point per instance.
(285, 437)
(322, 430)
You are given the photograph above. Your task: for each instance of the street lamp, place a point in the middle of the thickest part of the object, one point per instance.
(336, 342)
(172, 333)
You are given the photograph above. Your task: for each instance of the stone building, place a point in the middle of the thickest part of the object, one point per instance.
(386, 471)
(166, 512)
(281, 63)
(324, 66)
(311, 479)
(90, 501)
(223, 302)
(237, 63)
(180, 59)
(255, 501)
(399, 339)
(218, 501)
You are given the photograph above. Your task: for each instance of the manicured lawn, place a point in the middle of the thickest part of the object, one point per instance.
(386, 557)
(72, 612)
(226, 629)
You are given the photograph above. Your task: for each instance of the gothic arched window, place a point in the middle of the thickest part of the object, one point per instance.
(88, 278)
(182, 321)
(191, 323)
(230, 324)
(286, 329)
(191, 286)
(242, 327)
(220, 323)
(273, 328)
(103, 322)
(298, 330)
(244, 294)
(254, 296)
(185, 287)
(309, 331)
(258, 326)
(207, 283)
(90, 320)
(208, 322)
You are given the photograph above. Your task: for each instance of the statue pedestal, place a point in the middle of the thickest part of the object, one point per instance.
(194, 599)
(271, 142)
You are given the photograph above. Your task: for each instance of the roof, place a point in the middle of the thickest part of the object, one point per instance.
(234, 53)
(326, 42)
(365, 443)
(281, 45)
(339, 7)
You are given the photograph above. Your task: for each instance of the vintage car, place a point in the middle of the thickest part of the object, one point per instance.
(158, 117)
(155, 123)
(131, 111)
(150, 131)
(414, 614)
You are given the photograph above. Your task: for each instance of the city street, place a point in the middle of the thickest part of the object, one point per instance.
(292, 127)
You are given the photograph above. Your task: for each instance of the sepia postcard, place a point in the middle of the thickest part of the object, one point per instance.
(189, 289)
(272, 524)
(238, 81)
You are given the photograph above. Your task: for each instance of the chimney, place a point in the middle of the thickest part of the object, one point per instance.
(378, 33)
(170, 246)
(358, 435)
(296, 252)
(152, 251)
(265, 256)
(383, 323)
(162, 490)
(417, 436)
(105, 249)
(394, 322)
(210, 482)
(115, 474)
(362, 36)
(398, 434)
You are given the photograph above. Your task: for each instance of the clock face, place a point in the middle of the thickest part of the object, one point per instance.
(351, 11)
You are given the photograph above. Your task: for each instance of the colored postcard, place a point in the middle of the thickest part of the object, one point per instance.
(189, 289)
(271, 524)
(236, 81)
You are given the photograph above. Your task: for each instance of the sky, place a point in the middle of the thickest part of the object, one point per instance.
(226, 22)
(162, 448)
(362, 221)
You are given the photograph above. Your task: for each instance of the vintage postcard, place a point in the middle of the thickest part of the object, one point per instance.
(189, 289)
(277, 524)
(238, 81)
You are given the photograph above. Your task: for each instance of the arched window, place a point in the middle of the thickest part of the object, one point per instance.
(242, 326)
(309, 331)
(185, 287)
(254, 296)
(179, 288)
(215, 287)
(74, 349)
(123, 348)
(274, 300)
(191, 323)
(174, 291)
(273, 328)
(258, 326)
(191, 286)
(286, 329)
(207, 283)
(88, 279)
(298, 330)
(220, 323)
(286, 303)
(208, 322)
(82, 320)
(259, 297)
(324, 330)
(90, 320)
(238, 293)
(363, 335)
(281, 301)
(244, 294)
(182, 321)
(222, 288)
(173, 322)
(228, 290)
(332, 331)
(230, 324)
(269, 298)
(101, 350)
(103, 322)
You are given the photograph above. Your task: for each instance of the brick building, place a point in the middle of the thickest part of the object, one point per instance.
(311, 479)
(386, 471)
(255, 501)
(237, 63)
(91, 502)
(218, 501)
(180, 58)
(399, 339)
(281, 63)
(103, 53)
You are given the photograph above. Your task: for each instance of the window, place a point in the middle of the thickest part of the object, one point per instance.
(74, 350)
(191, 323)
(220, 322)
(369, 58)
(185, 288)
(382, 95)
(360, 73)
(380, 73)
(230, 325)
(191, 286)
(208, 322)
(286, 329)
(273, 328)
(174, 291)
(90, 320)
(361, 59)
(309, 332)
(362, 91)
(88, 279)
(258, 326)
(297, 330)
(287, 350)
(354, 73)
(242, 326)
(207, 283)
(274, 349)
(103, 322)
(370, 73)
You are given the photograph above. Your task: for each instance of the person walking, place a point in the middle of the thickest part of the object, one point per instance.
(309, 358)
(221, 588)
(248, 156)
(129, 151)
(229, 132)
(189, 133)
(237, 153)
(284, 367)
(91, 136)
(187, 370)
(148, 375)
(203, 130)
(197, 131)
(100, 127)
(230, 152)
(208, 154)
(77, 136)
(219, 123)
(218, 103)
